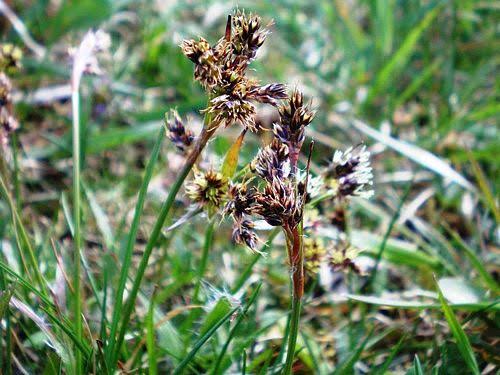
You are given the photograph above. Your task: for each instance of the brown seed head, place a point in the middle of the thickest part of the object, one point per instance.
(279, 204)
(244, 234)
(269, 94)
(248, 34)
(241, 201)
(294, 117)
(181, 137)
(272, 161)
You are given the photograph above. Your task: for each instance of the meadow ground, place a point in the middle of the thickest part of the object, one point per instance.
(414, 81)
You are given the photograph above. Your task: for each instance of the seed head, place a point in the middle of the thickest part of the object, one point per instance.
(235, 107)
(248, 35)
(241, 201)
(269, 94)
(8, 124)
(10, 57)
(181, 137)
(342, 257)
(244, 234)
(272, 161)
(314, 252)
(85, 56)
(350, 173)
(279, 204)
(208, 190)
(5, 89)
(294, 117)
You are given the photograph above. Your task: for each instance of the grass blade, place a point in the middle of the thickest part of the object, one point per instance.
(488, 280)
(129, 248)
(348, 365)
(150, 339)
(417, 367)
(402, 304)
(459, 334)
(415, 153)
(202, 340)
(233, 330)
(402, 55)
(390, 358)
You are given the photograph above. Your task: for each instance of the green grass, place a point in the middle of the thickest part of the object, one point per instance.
(415, 81)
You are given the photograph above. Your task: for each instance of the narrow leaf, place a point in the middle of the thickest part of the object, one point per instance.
(415, 153)
(231, 160)
(459, 334)
(403, 54)
(404, 304)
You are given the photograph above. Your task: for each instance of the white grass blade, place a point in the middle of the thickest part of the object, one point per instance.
(415, 153)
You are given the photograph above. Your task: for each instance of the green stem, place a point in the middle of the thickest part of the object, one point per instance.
(77, 303)
(209, 235)
(292, 338)
(205, 135)
(15, 172)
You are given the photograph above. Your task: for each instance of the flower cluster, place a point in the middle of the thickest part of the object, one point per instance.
(295, 115)
(221, 70)
(207, 190)
(279, 194)
(350, 173)
(273, 188)
(181, 137)
(10, 60)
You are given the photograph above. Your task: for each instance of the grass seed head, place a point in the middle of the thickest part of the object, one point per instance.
(350, 173)
(244, 233)
(181, 137)
(314, 252)
(10, 57)
(272, 161)
(208, 190)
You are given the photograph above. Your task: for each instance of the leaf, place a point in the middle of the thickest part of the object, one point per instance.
(204, 338)
(404, 304)
(485, 188)
(231, 160)
(456, 290)
(396, 251)
(476, 262)
(100, 216)
(347, 366)
(131, 240)
(417, 367)
(383, 369)
(150, 339)
(415, 153)
(459, 334)
(62, 350)
(220, 309)
(242, 315)
(402, 55)
(5, 296)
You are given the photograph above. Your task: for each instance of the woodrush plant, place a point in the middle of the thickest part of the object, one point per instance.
(272, 188)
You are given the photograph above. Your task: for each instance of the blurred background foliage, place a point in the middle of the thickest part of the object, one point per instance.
(417, 81)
